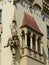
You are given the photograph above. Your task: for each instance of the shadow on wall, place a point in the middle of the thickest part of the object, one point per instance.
(45, 57)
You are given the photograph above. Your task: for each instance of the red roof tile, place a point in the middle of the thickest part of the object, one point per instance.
(30, 22)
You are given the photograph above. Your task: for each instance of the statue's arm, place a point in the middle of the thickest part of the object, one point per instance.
(6, 46)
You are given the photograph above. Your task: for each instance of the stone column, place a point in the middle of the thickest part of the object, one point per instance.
(31, 43)
(36, 43)
(25, 39)
(41, 47)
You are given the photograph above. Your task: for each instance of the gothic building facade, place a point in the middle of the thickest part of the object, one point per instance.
(24, 32)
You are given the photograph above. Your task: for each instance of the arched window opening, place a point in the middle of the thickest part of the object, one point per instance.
(39, 45)
(23, 38)
(37, 7)
(34, 42)
(28, 39)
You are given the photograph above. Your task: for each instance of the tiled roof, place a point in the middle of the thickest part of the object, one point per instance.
(30, 22)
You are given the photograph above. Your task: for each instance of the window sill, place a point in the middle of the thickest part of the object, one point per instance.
(33, 51)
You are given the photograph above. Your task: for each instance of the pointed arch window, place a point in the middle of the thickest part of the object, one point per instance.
(34, 42)
(28, 39)
(39, 45)
(37, 7)
(23, 38)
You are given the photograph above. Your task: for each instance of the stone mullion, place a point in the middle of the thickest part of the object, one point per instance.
(31, 41)
(41, 48)
(25, 39)
(36, 43)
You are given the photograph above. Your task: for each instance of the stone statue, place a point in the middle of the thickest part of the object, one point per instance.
(13, 41)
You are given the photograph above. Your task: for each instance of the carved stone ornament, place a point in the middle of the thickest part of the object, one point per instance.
(13, 41)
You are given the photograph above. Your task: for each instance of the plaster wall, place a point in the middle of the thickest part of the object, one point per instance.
(8, 11)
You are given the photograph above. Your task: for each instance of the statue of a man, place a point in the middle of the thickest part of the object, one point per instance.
(13, 42)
